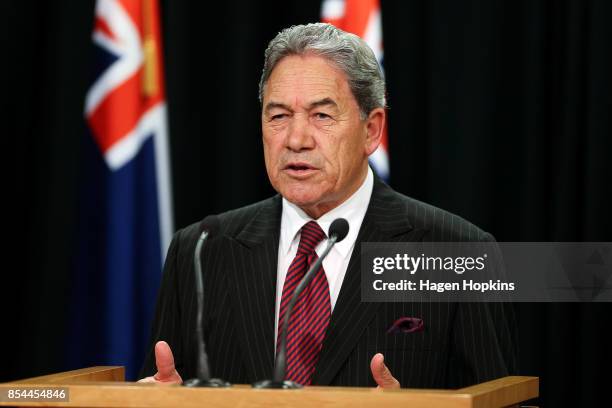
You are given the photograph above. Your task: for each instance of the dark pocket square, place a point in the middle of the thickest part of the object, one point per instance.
(406, 325)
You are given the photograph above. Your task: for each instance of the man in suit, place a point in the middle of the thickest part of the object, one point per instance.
(323, 100)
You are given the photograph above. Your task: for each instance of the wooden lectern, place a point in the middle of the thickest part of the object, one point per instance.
(105, 387)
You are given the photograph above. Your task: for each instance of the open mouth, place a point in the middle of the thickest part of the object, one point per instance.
(299, 168)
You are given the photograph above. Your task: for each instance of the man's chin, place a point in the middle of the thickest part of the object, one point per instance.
(311, 204)
(301, 193)
(303, 199)
(300, 201)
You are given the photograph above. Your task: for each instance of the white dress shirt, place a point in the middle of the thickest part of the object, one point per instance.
(336, 263)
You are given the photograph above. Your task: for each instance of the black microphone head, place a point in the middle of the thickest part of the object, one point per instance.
(210, 224)
(340, 228)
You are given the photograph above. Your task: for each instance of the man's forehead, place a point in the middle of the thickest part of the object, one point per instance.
(306, 80)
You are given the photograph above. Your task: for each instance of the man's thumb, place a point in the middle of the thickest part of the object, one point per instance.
(381, 373)
(164, 360)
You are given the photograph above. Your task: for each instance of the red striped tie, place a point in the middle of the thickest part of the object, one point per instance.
(312, 311)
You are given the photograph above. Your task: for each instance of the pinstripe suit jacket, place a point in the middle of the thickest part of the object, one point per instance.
(462, 343)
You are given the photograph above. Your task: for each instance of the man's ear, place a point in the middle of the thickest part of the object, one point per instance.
(375, 125)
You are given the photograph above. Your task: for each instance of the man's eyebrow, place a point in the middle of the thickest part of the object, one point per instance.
(315, 104)
(273, 105)
(323, 102)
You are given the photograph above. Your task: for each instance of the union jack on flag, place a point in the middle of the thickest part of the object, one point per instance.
(362, 18)
(125, 221)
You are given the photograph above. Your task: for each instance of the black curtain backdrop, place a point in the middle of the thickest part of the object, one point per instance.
(499, 112)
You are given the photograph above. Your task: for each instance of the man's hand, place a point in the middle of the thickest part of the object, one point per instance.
(382, 375)
(166, 372)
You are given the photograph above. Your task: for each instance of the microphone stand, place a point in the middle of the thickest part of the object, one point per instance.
(203, 379)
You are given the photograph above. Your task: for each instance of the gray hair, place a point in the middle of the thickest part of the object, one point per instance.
(346, 51)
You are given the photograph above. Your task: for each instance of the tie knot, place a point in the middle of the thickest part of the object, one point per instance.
(311, 236)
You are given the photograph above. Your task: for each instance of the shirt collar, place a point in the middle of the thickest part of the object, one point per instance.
(353, 210)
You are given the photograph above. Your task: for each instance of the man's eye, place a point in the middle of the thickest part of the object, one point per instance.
(322, 116)
(278, 116)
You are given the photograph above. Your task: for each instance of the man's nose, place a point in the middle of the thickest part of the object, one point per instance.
(300, 134)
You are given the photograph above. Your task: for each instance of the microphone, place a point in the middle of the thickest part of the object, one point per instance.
(337, 232)
(209, 227)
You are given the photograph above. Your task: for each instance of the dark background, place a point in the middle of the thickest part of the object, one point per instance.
(499, 112)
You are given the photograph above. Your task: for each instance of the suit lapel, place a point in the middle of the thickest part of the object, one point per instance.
(384, 221)
(255, 263)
